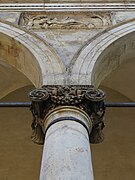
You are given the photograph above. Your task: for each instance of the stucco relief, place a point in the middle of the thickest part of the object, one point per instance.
(65, 21)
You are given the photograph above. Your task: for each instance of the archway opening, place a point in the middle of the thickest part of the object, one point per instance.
(17, 150)
(114, 158)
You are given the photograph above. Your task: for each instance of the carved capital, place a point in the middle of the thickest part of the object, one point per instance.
(87, 98)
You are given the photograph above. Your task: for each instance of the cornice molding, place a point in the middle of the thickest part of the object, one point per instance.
(62, 7)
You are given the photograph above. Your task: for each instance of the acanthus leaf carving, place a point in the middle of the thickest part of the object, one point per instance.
(88, 98)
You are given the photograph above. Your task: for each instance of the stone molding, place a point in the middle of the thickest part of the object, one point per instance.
(60, 113)
(49, 98)
(59, 7)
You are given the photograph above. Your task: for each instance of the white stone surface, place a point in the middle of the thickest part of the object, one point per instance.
(12, 17)
(66, 153)
(119, 17)
(67, 42)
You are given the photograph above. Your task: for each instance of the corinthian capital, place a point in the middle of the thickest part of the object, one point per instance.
(87, 98)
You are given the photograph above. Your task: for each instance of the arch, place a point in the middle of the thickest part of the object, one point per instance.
(11, 79)
(103, 54)
(30, 55)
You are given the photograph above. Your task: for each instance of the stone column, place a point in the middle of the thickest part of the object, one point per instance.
(66, 153)
(66, 120)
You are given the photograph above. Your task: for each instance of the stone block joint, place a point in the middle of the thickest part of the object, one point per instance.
(50, 97)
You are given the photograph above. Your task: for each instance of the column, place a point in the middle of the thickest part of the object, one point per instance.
(66, 120)
(66, 153)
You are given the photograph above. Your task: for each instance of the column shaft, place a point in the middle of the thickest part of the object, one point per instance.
(66, 153)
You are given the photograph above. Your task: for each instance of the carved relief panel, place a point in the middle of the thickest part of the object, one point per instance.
(57, 20)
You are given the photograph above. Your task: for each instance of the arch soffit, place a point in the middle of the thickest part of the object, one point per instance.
(83, 65)
(30, 55)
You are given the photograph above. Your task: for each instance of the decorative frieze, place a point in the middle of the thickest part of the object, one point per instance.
(65, 20)
(87, 98)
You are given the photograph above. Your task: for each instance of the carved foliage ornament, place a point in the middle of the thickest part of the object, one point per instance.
(87, 98)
